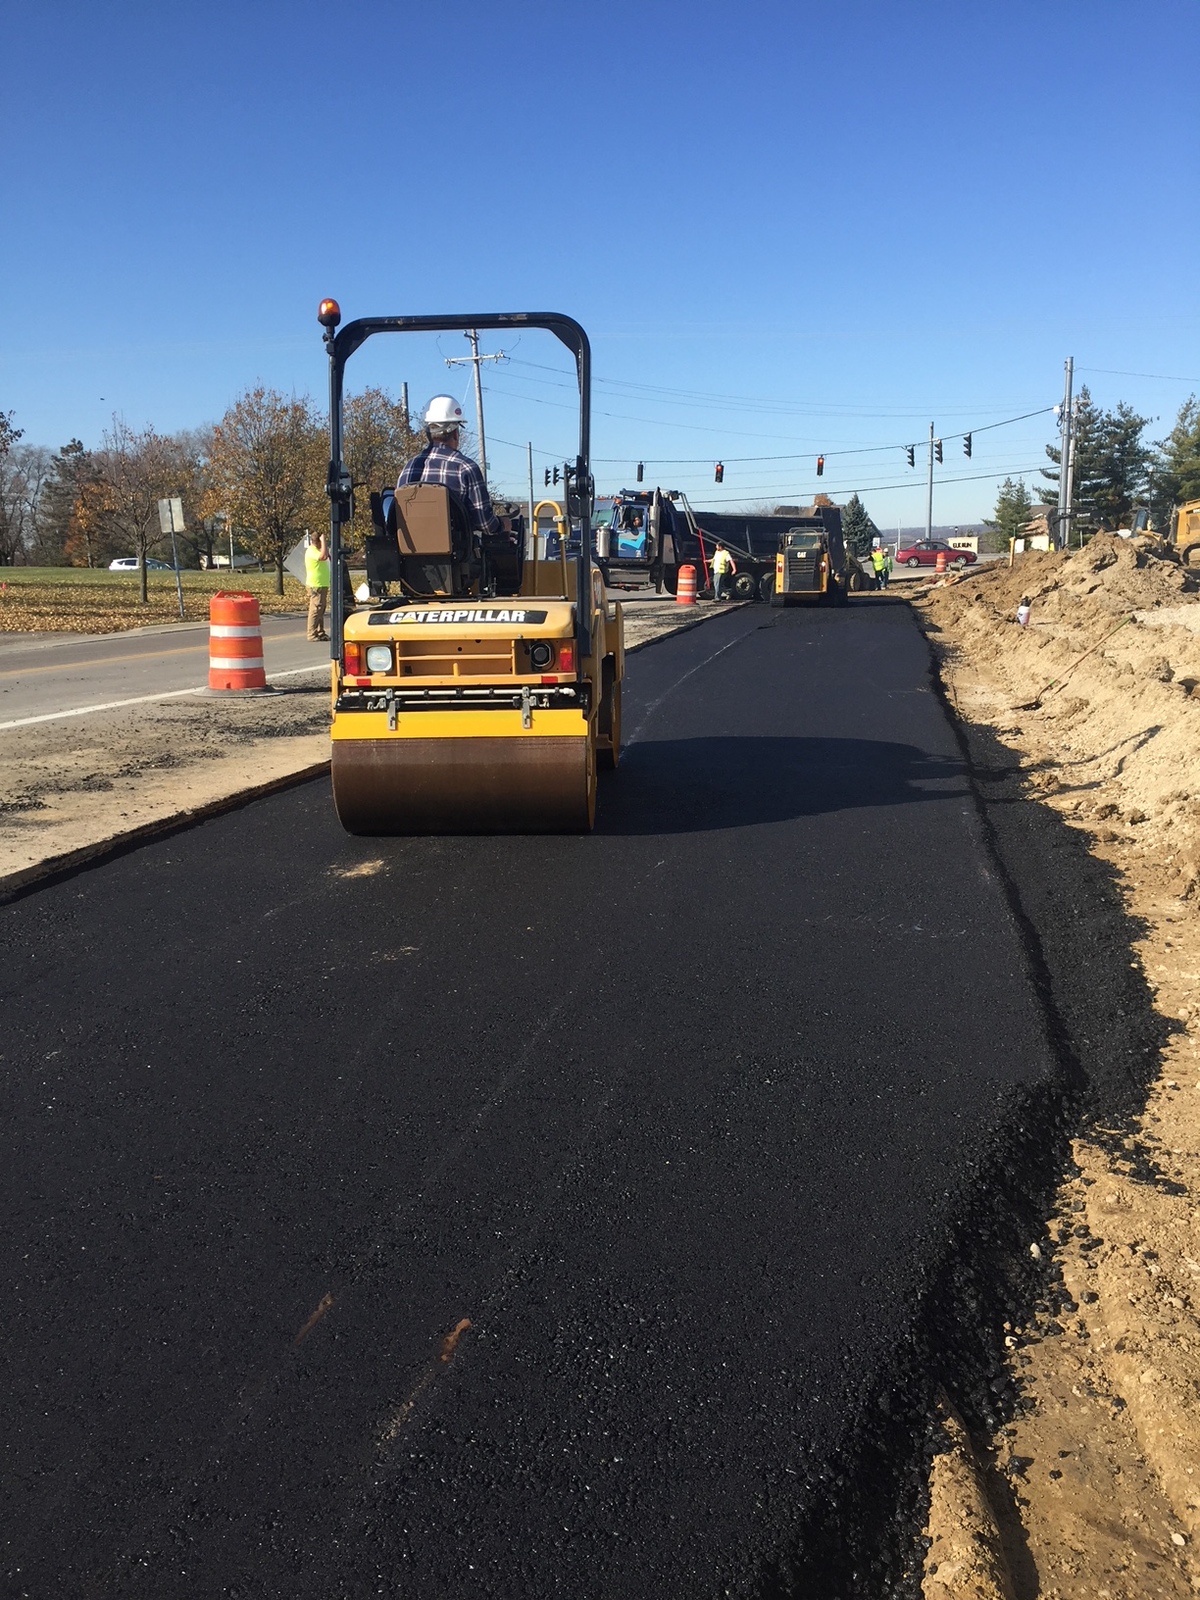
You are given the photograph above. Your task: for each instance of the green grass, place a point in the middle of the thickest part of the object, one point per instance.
(83, 600)
(259, 583)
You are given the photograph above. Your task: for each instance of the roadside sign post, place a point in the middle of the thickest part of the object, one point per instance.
(170, 520)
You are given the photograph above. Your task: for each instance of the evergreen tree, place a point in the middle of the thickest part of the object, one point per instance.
(857, 528)
(1014, 506)
(1111, 463)
(1177, 466)
(60, 541)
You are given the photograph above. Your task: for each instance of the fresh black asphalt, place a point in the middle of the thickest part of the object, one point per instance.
(505, 1216)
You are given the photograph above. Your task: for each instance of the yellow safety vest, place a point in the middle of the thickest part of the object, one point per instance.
(316, 571)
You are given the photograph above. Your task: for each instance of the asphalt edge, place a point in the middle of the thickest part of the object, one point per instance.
(865, 1539)
(15, 885)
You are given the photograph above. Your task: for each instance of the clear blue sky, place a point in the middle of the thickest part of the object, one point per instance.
(824, 225)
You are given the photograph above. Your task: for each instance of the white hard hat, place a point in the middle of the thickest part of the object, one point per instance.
(444, 411)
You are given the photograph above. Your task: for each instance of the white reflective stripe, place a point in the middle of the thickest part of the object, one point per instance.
(236, 663)
(219, 630)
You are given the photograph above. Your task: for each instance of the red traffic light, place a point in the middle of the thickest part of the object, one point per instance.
(820, 465)
(329, 313)
(719, 472)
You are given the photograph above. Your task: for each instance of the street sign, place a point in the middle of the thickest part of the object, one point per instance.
(170, 520)
(170, 516)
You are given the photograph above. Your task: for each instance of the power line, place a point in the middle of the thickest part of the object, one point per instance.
(799, 455)
(798, 408)
(1114, 372)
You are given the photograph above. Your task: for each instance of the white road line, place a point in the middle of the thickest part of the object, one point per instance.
(143, 699)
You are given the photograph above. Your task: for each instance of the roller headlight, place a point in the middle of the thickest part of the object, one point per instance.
(379, 658)
(540, 656)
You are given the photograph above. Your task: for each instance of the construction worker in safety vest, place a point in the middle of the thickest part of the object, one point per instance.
(881, 560)
(316, 581)
(723, 566)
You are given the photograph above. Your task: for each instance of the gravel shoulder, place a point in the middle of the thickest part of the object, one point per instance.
(74, 788)
(1093, 711)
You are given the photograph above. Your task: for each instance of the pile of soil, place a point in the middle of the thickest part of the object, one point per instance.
(1095, 1480)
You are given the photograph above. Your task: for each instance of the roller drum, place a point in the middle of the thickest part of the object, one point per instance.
(473, 785)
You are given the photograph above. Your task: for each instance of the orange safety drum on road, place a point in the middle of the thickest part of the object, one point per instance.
(235, 651)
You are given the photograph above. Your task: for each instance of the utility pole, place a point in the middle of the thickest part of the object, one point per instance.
(929, 498)
(532, 530)
(473, 360)
(1066, 462)
(404, 403)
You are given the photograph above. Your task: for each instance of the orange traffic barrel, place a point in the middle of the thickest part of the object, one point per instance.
(941, 562)
(685, 594)
(235, 651)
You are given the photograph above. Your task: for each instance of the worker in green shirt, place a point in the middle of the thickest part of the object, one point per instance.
(316, 578)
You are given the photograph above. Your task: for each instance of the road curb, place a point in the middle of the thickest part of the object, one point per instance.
(14, 884)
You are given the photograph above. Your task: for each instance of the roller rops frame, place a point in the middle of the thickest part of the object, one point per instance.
(341, 344)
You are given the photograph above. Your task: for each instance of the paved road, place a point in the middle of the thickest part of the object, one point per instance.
(503, 1217)
(46, 677)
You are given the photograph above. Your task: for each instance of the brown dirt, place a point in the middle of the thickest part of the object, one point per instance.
(1095, 1485)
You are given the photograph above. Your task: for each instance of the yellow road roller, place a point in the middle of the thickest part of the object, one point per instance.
(478, 688)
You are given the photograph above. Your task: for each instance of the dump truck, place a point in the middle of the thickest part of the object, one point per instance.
(756, 544)
(474, 689)
(634, 541)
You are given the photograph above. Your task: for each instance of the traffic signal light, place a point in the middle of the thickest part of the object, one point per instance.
(820, 465)
(546, 479)
(911, 452)
(719, 472)
(967, 445)
(937, 450)
(639, 472)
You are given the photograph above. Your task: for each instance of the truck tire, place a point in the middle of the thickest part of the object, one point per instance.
(609, 725)
(745, 586)
(766, 588)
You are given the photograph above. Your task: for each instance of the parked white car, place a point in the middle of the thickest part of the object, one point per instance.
(130, 564)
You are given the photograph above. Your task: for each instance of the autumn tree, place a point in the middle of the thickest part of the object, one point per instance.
(9, 436)
(378, 439)
(23, 473)
(266, 472)
(133, 472)
(59, 538)
(1014, 507)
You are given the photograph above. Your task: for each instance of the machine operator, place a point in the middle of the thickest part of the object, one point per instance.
(443, 462)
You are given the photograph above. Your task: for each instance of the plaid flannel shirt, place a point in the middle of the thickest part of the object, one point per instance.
(460, 475)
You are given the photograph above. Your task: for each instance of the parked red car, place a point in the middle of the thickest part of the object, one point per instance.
(925, 553)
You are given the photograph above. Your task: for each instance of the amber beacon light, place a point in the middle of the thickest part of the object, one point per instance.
(329, 313)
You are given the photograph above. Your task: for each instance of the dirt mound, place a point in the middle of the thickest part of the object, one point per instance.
(1098, 700)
